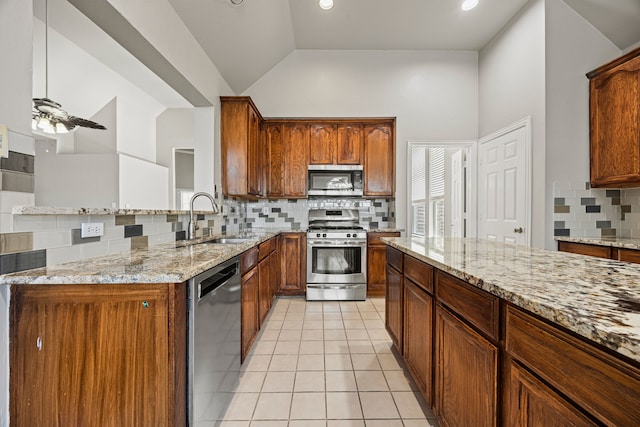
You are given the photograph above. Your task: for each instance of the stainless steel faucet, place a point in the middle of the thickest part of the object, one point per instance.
(191, 233)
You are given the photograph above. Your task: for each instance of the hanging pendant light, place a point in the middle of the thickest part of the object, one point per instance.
(47, 115)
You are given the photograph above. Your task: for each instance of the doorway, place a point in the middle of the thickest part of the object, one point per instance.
(439, 189)
(183, 177)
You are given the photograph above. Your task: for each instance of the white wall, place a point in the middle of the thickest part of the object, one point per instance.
(433, 94)
(15, 86)
(573, 48)
(206, 138)
(511, 87)
(142, 184)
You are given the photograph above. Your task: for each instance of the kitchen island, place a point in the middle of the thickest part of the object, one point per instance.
(514, 333)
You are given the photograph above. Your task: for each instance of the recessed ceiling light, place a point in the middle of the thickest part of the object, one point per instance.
(469, 4)
(326, 4)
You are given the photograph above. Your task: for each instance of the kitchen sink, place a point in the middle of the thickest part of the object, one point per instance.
(230, 240)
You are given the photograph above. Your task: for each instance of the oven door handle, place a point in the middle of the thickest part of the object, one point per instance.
(334, 243)
(315, 286)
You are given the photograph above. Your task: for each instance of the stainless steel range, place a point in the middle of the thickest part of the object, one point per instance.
(336, 255)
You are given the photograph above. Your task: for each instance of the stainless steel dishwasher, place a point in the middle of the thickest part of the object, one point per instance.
(213, 342)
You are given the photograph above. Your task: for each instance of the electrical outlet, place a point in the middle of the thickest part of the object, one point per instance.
(92, 229)
(265, 210)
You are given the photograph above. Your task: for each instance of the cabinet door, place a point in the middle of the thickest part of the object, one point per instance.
(293, 253)
(376, 271)
(264, 274)
(615, 126)
(349, 145)
(585, 249)
(322, 144)
(234, 137)
(254, 167)
(466, 374)
(296, 159)
(533, 404)
(418, 322)
(250, 319)
(93, 355)
(394, 306)
(274, 141)
(379, 160)
(274, 259)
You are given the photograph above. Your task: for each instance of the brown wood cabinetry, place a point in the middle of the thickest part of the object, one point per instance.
(349, 147)
(395, 295)
(295, 159)
(614, 112)
(418, 339)
(250, 291)
(379, 159)
(377, 263)
(293, 265)
(619, 254)
(532, 403)
(243, 158)
(98, 355)
(275, 145)
(322, 144)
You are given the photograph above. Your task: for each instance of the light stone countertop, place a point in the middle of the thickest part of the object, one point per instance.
(596, 298)
(614, 242)
(166, 263)
(49, 210)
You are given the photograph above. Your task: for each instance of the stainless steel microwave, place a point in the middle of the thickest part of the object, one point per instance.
(335, 180)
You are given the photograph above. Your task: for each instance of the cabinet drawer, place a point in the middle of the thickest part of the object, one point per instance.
(419, 272)
(394, 258)
(374, 238)
(476, 306)
(248, 260)
(628, 255)
(584, 249)
(604, 386)
(265, 248)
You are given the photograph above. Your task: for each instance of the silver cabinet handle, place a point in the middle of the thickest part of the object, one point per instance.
(39, 343)
(518, 230)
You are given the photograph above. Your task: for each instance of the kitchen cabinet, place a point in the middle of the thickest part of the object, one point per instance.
(395, 297)
(295, 159)
(379, 159)
(614, 113)
(250, 294)
(466, 380)
(376, 263)
(349, 145)
(322, 144)
(98, 354)
(418, 335)
(275, 146)
(293, 265)
(265, 277)
(242, 153)
(619, 254)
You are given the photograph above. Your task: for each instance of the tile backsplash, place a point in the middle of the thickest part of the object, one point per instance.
(582, 211)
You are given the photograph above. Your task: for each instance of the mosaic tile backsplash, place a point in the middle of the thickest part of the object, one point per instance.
(582, 211)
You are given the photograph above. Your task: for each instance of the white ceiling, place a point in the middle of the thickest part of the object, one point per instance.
(246, 41)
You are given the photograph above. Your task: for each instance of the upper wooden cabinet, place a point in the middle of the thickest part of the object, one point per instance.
(379, 159)
(322, 144)
(349, 145)
(614, 110)
(241, 149)
(335, 144)
(275, 146)
(295, 159)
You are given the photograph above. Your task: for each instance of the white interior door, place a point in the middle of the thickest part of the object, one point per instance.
(457, 194)
(503, 194)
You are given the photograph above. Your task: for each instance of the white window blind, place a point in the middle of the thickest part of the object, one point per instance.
(419, 190)
(436, 172)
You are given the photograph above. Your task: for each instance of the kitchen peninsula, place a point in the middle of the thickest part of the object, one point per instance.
(498, 334)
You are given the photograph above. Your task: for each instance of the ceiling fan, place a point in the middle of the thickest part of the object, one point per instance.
(47, 115)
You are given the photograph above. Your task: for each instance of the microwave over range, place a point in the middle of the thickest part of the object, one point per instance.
(335, 180)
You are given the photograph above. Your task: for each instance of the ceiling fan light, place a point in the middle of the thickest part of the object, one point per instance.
(469, 4)
(34, 123)
(61, 128)
(325, 4)
(44, 123)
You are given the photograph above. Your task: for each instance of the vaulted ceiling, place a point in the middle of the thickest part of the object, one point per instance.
(247, 40)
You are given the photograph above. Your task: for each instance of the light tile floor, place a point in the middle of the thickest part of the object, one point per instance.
(325, 364)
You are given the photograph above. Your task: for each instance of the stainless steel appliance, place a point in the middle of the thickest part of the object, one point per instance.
(336, 255)
(335, 180)
(213, 342)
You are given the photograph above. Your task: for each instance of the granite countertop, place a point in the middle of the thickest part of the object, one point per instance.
(167, 263)
(615, 242)
(49, 210)
(596, 298)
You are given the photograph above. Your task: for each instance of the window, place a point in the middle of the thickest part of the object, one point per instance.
(418, 190)
(436, 192)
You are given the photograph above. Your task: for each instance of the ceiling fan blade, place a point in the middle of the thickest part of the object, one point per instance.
(78, 121)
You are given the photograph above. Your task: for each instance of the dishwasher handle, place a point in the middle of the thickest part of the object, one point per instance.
(217, 280)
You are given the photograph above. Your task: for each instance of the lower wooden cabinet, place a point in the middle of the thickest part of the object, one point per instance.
(97, 355)
(585, 249)
(376, 263)
(418, 339)
(394, 302)
(466, 374)
(293, 265)
(533, 403)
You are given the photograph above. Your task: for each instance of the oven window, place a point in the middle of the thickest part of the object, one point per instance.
(332, 260)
